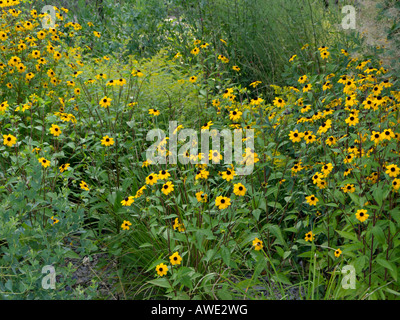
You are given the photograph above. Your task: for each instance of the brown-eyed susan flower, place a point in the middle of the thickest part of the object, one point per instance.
(3, 106)
(352, 120)
(193, 79)
(55, 220)
(175, 258)
(207, 125)
(64, 167)
(325, 126)
(307, 87)
(146, 163)
(347, 172)
(236, 68)
(167, 188)
(303, 79)
(84, 185)
(279, 102)
(201, 196)
(396, 184)
(202, 174)
(55, 130)
(388, 134)
(239, 189)
(105, 102)
(125, 225)
(151, 179)
(228, 174)
(9, 140)
(310, 138)
(161, 269)
(296, 168)
(327, 85)
(195, 51)
(349, 158)
(309, 236)
(137, 73)
(295, 136)
(107, 141)
(376, 137)
(325, 54)
(44, 162)
(178, 225)
(214, 156)
(257, 244)
(235, 115)
(292, 57)
(222, 202)
(154, 112)
(255, 84)
(163, 174)
(348, 188)
(326, 169)
(312, 200)
(362, 215)
(392, 170)
(127, 201)
(338, 252)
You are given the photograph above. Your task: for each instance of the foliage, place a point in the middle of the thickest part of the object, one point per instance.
(76, 177)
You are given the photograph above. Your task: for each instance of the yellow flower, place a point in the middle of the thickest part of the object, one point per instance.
(45, 163)
(338, 252)
(201, 196)
(348, 188)
(307, 87)
(9, 140)
(309, 236)
(235, 115)
(125, 225)
(396, 184)
(55, 130)
(107, 141)
(193, 79)
(239, 189)
(295, 136)
(161, 269)
(362, 215)
(222, 202)
(175, 258)
(127, 202)
(154, 112)
(64, 167)
(55, 220)
(279, 102)
(312, 200)
(105, 102)
(302, 79)
(151, 179)
(392, 170)
(257, 244)
(195, 51)
(84, 186)
(228, 174)
(167, 188)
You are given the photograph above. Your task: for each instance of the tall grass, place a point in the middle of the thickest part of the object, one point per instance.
(264, 34)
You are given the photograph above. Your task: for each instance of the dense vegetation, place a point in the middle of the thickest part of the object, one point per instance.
(79, 98)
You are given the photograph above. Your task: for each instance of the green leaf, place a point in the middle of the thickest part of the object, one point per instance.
(256, 214)
(226, 255)
(347, 235)
(161, 282)
(378, 233)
